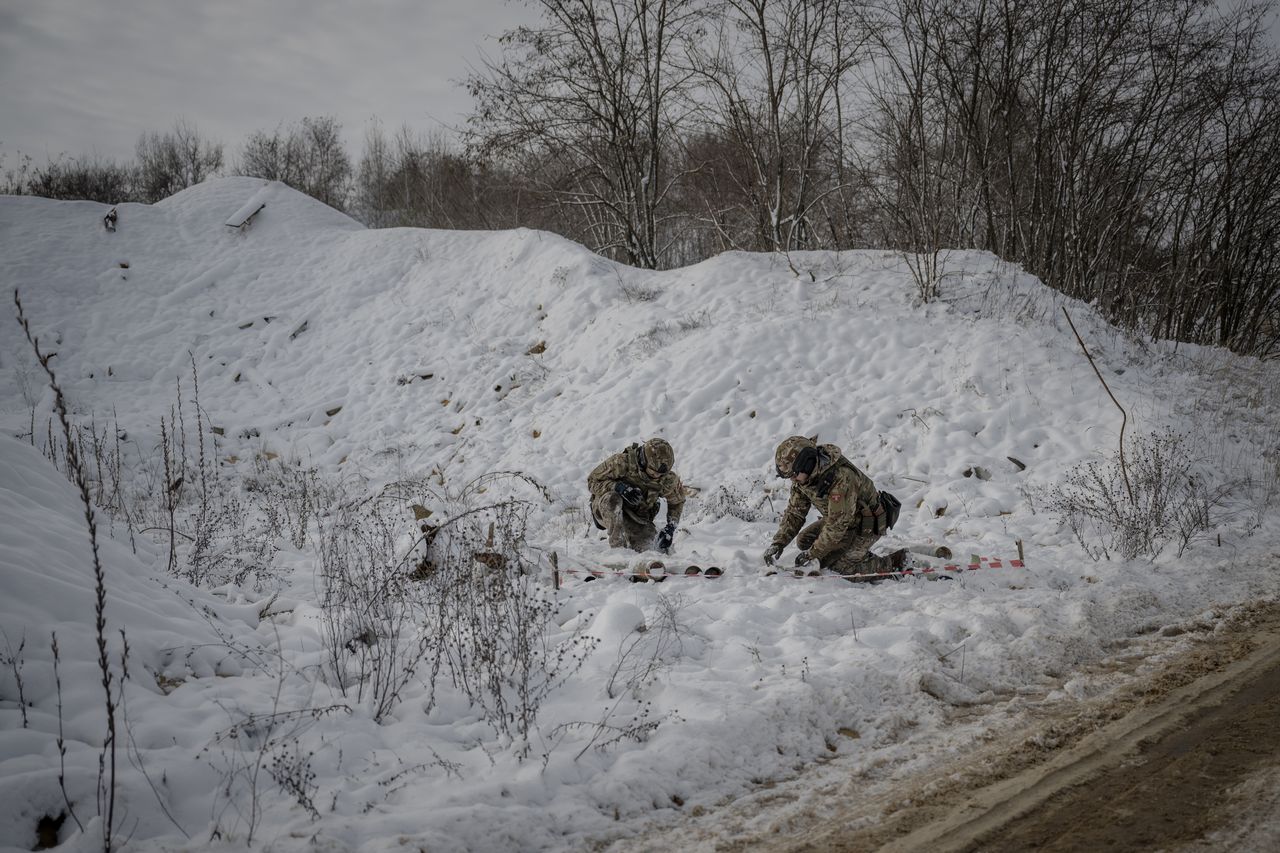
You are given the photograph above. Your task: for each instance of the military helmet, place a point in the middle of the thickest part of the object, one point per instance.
(656, 453)
(793, 450)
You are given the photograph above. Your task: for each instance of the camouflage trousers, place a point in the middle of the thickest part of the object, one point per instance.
(627, 528)
(851, 556)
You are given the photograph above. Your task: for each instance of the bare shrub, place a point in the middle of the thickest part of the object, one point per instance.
(493, 617)
(490, 610)
(1172, 501)
(664, 333)
(256, 745)
(231, 530)
(373, 612)
(642, 657)
(61, 740)
(291, 770)
(1269, 479)
(12, 659)
(735, 501)
(637, 293)
(88, 178)
(111, 680)
(217, 526)
(464, 598)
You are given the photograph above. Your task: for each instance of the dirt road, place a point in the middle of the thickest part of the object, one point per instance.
(1187, 787)
(1184, 757)
(1189, 761)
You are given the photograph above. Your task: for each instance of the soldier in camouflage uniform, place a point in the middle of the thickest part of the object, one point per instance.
(625, 489)
(852, 517)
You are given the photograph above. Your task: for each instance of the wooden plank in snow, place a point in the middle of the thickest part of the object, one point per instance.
(242, 217)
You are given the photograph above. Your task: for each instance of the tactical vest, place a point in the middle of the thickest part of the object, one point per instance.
(873, 517)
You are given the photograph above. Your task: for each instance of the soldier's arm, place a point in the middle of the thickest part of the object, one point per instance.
(792, 518)
(604, 475)
(674, 496)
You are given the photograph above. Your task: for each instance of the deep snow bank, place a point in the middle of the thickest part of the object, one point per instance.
(389, 353)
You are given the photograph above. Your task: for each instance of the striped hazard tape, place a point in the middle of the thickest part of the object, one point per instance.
(658, 572)
(975, 563)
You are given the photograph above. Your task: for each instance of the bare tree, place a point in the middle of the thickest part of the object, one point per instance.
(425, 180)
(1125, 153)
(14, 181)
(171, 162)
(912, 165)
(326, 165)
(774, 75)
(595, 97)
(1220, 279)
(371, 200)
(308, 156)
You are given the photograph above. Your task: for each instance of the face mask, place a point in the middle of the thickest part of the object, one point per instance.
(806, 461)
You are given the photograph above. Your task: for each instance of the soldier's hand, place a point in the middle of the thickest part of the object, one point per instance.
(772, 553)
(628, 493)
(804, 558)
(664, 538)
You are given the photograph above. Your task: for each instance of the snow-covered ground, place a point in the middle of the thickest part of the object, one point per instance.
(382, 356)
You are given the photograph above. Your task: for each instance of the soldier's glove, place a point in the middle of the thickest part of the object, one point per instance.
(664, 538)
(772, 553)
(804, 558)
(630, 494)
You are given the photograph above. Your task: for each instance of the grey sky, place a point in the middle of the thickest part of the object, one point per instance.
(89, 76)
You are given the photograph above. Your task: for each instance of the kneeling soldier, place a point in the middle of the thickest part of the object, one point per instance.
(852, 516)
(625, 490)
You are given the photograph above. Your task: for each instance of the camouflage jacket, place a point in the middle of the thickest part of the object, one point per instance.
(840, 492)
(625, 467)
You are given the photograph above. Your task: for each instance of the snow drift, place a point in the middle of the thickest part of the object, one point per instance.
(452, 354)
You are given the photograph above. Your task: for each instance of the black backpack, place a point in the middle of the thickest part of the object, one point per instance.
(892, 506)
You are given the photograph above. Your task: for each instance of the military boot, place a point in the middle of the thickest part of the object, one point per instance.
(848, 564)
(894, 561)
(617, 526)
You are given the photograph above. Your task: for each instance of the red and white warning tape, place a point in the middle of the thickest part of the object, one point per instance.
(947, 568)
(714, 572)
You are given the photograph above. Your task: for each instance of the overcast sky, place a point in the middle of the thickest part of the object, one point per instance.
(89, 76)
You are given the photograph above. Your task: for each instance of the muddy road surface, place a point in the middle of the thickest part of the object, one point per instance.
(1192, 768)
(1185, 756)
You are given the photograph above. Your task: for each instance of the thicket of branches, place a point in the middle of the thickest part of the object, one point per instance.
(165, 163)
(308, 156)
(1127, 153)
(1124, 152)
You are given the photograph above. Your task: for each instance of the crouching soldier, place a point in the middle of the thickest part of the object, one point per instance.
(852, 516)
(625, 489)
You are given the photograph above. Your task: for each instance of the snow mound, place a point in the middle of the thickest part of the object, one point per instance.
(177, 637)
(420, 356)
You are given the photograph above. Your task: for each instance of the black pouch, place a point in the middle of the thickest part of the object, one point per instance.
(892, 506)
